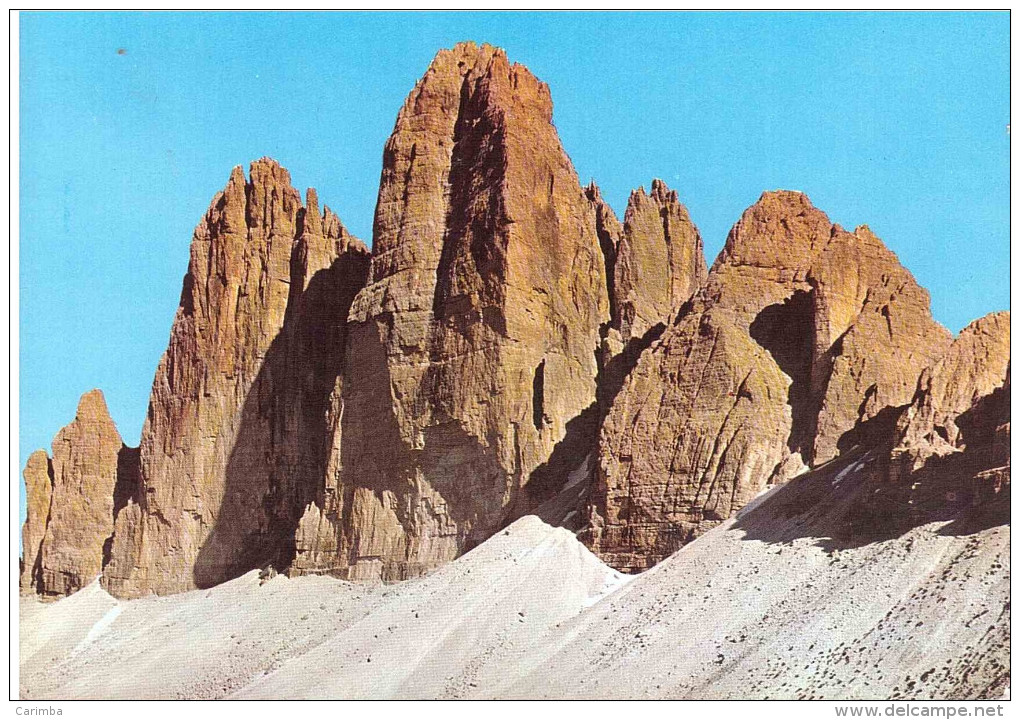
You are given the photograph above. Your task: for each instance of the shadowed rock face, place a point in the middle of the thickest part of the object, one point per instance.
(801, 333)
(950, 449)
(235, 441)
(473, 344)
(943, 457)
(974, 367)
(72, 500)
(609, 231)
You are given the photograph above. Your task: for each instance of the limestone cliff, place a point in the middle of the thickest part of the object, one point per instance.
(655, 262)
(472, 347)
(234, 444)
(660, 261)
(973, 368)
(72, 500)
(38, 477)
(950, 449)
(509, 347)
(802, 334)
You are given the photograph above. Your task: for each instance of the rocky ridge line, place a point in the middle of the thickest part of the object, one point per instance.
(510, 348)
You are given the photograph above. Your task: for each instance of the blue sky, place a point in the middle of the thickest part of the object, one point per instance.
(130, 123)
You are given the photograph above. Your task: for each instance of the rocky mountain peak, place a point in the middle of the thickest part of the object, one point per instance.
(782, 230)
(38, 476)
(72, 500)
(234, 446)
(799, 339)
(659, 262)
(92, 409)
(974, 367)
(509, 347)
(662, 194)
(473, 345)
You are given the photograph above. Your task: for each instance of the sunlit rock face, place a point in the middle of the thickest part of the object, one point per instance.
(510, 347)
(235, 443)
(473, 345)
(72, 499)
(801, 335)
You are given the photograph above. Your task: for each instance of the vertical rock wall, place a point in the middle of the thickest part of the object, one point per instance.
(38, 477)
(473, 346)
(802, 334)
(509, 347)
(72, 500)
(234, 445)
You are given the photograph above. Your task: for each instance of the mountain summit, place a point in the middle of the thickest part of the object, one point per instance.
(510, 348)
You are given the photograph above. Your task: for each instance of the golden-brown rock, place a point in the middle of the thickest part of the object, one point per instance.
(473, 344)
(511, 347)
(659, 264)
(609, 231)
(86, 456)
(974, 366)
(234, 445)
(801, 334)
(698, 428)
(949, 456)
(873, 336)
(38, 491)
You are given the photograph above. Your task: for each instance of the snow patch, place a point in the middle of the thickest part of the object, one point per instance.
(99, 627)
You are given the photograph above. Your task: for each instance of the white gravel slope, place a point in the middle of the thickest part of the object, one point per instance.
(922, 616)
(434, 636)
(315, 636)
(766, 605)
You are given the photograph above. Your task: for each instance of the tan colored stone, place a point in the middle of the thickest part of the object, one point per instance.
(86, 455)
(609, 231)
(511, 347)
(873, 336)
(698, 429)
(38, 492)
(315, 542)
(801, 335)
(949, 457)
(234, 445)
(976, 364)
(473, 344)
(660, 261)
